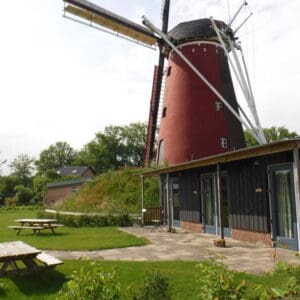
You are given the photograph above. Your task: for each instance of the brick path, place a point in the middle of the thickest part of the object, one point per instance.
(185, 245)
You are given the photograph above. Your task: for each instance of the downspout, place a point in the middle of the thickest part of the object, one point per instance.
(296, 171)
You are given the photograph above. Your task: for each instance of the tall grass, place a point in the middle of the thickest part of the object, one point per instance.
(114, 192)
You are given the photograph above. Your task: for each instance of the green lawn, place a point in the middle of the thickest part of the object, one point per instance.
(67, 238)
(182, 274)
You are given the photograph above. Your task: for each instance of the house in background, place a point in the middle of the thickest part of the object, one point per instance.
(57, 191)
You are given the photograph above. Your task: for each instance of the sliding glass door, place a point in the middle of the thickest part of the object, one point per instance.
(284, 229)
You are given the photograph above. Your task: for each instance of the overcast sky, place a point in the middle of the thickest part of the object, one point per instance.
(63, 81)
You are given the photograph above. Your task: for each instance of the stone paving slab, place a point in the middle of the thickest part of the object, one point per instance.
(185, 245)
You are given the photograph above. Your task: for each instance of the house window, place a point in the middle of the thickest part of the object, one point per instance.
(219, 106)
(74, 190)
(224, 142)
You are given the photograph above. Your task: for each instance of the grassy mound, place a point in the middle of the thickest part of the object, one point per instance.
(114, 192)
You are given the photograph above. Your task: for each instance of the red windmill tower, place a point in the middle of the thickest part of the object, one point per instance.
(200, 114)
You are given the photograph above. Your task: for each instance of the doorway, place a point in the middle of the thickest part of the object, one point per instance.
(282, 203)
(210, 209)
(209, 203)
(175, 208)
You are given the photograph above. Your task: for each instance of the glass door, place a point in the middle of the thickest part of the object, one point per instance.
(209, 207)
(284, 228)
(175, 202)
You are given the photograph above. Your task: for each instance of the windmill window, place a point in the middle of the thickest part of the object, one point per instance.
(161, 148)
(224, 142)
(164, 112)
(219, 106)
(169, 71)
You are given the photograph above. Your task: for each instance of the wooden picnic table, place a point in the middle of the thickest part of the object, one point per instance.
(36, 225)
(12, 252)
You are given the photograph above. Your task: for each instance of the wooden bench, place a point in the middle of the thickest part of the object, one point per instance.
(48, 261)
(36, 229)
(55, 225)
(18, 257)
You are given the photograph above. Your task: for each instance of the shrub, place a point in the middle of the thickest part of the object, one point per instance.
(91, 283)
(156, 286)
(216, 281)
(293, 282)
(86, 220)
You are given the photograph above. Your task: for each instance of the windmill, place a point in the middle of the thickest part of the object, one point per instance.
(200, 113)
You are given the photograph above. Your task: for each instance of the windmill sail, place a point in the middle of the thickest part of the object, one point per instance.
(156, 92)
(104, 18)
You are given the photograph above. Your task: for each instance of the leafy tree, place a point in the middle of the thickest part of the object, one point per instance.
(59, 155)
(8, 184)
(22, 167)
(134, 136)
(116, 147)
(272, 134)
(23, 194)
(39, 187)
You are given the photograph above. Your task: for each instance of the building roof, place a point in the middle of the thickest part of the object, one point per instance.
(72, 171)
(244, 153)
(68, 182)
(195, 30)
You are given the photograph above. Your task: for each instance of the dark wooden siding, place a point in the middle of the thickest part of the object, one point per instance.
(248, 185)
(189, 197)
(190, 194)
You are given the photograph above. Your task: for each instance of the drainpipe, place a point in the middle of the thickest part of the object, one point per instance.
(296, 171)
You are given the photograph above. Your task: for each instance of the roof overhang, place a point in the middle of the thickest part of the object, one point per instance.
(240, 154)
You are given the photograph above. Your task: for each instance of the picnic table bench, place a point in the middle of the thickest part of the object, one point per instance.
(11, 253)
(36, 225)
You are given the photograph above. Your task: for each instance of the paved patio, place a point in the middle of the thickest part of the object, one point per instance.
(186, 245)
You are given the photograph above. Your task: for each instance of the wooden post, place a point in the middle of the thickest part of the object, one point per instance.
(219, 196)
(142, 183)
(296, 171)
(168, 204)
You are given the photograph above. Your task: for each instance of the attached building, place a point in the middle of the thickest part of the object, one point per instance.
(252, 194)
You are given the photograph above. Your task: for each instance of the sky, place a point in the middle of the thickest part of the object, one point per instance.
(63, 81)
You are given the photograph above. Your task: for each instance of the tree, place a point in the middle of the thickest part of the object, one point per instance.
(22, 167)
(39, 187)
(8, 184)
(272, 134)
(59, 155)
(23, 194)
(134, 136)
(116, 147)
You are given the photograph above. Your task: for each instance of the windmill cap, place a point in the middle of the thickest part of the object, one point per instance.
(195, 30)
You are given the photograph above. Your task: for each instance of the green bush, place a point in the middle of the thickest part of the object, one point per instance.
(156, 286)
(216, 282)
(88, 220)
(91, 283)
(293, 283)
